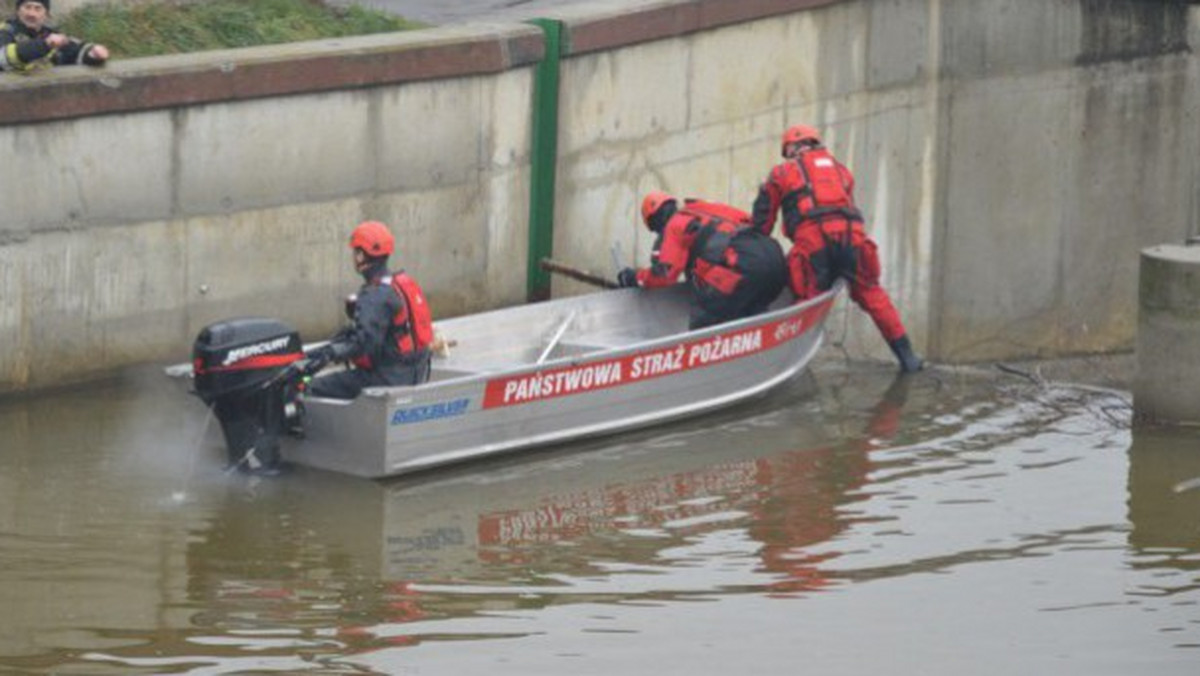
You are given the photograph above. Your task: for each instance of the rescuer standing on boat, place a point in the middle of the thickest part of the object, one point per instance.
(816, 193)
(735, 271)
(388, 341)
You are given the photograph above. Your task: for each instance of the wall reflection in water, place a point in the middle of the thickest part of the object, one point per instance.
(1164, 509)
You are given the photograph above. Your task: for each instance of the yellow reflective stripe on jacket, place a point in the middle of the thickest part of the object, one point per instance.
(11, 62)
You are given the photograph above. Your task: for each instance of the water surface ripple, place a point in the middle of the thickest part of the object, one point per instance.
(952, 522)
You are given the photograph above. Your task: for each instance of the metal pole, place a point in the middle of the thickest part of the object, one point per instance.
(544, 162)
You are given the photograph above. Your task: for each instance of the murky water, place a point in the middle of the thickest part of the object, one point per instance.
(943, 524)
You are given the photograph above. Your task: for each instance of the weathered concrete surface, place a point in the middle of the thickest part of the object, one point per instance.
(1012, 157)
(1167, 384)
(1070, 147)
(126, 233)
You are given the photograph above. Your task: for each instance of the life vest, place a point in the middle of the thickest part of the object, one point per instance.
(824, 195)
(412, 326)
(712, 258)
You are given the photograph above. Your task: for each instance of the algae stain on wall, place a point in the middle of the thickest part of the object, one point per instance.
(1125, 30)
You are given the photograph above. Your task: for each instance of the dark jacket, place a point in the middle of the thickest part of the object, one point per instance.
(374, 340)
(22, 49)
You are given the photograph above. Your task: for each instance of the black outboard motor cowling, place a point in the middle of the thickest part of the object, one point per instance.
(239, 367)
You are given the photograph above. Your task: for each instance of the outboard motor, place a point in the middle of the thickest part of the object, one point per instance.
(242, 369)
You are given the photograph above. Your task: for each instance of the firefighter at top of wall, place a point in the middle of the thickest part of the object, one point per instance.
(816, 194)
(735, 271)
(28, 43)
(388, 342)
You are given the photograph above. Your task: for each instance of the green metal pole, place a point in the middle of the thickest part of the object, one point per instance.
(544, 162)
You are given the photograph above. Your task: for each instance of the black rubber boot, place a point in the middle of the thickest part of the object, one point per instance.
(909, 361)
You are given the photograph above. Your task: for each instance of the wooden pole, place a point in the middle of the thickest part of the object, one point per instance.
(584, 276)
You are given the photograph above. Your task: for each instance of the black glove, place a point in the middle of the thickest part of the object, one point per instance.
(318, 359)
(627, 277)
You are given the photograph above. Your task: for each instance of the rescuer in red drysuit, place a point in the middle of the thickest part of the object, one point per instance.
(735, 271)
(816, 194)
(388, 342)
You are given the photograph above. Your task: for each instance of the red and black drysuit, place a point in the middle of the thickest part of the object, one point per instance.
(816, 195)
(735, 271)
(22, 48)
(382, 342)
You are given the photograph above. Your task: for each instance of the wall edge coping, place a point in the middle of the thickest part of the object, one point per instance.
(608, 24)
(275, 70)
(455, 50)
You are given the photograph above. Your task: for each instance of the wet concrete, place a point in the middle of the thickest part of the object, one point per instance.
(978, 521)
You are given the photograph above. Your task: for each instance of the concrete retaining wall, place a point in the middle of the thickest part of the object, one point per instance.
(1013, 157)
(180, 190)
(1068, 143)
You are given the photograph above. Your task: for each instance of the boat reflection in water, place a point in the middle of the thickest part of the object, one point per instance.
(597, 522)
(785, 529)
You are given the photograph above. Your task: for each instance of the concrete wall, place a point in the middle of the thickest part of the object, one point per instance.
(186, 195)
(1068, 143)
(701, 114)
(1013, 156)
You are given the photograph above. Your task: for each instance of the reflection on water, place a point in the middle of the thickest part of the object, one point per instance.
(1164, 512)
(943, 523)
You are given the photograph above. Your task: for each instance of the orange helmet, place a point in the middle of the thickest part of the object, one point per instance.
(798, 133)
(652, 202)
(373, 238)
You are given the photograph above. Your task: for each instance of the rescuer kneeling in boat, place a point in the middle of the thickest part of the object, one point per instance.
(735, 271)
(816, 194)
(388, 342)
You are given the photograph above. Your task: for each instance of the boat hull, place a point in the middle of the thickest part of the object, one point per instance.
(583, 366)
